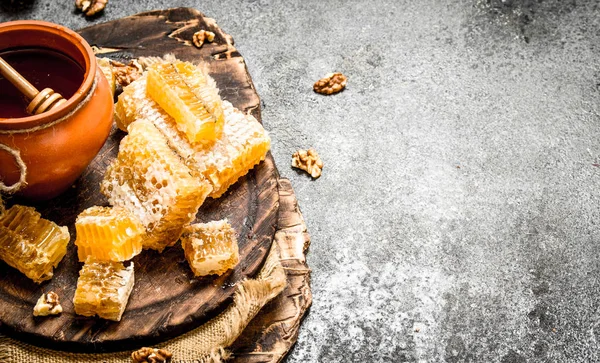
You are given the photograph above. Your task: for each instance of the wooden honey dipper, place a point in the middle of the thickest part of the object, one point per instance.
(39, 101)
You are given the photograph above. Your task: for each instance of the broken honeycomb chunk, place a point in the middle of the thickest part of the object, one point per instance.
(149, 180)
(186, 93)
(242, 144)
(210, 248)
(106, 68)
(103, 289)
(31, 244)
(108, 234)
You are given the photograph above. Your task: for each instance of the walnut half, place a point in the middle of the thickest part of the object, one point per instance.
(126, 73)
(151, 355)
(330, 84)
(200, 36)
(47, 304)
(309, 161)
(90, 7)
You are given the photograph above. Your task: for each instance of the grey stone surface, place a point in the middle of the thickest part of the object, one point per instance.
(457, 217)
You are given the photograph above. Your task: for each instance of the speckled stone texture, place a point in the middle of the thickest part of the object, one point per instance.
(457, 218)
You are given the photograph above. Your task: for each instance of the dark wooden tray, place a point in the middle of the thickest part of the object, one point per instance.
(167, 300)
(272, 333)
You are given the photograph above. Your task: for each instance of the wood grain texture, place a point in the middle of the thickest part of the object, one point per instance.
(167, 300)
(273, 332)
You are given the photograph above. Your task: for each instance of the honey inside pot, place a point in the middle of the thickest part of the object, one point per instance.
(43, 68)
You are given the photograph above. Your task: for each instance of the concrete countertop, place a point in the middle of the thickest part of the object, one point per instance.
(457, 218)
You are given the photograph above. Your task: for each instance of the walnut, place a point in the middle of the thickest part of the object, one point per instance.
(309, 161)
(90, 7)
(151, 355)
(126, 73)
(47, 304)
(202, 35)
(330, 84)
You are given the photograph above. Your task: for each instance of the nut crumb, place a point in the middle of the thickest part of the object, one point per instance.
(201, 36)
(126, 73)
(151, 355)
(309, 161)
(417, 330)
(91, 7)
(48, 304)
(330, 84)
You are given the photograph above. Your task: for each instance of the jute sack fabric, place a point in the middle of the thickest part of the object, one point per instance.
(207, 343)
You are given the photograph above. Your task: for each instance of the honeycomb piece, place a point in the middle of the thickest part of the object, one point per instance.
(111, 234)
(146, 62)
(243, 142)
(210, 248)
(106, 68)
(31, 244)
(103, 289)
(151, 182)
(186, 93)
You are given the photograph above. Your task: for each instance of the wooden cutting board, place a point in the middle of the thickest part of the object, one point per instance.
(167, 300)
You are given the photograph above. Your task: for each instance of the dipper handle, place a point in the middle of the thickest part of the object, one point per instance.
(39, 101)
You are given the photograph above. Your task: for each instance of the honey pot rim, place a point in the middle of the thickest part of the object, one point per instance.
(90, 66)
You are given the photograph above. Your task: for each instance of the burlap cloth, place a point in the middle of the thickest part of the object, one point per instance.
(207, 343)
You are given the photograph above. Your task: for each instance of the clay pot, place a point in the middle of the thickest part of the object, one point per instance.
(55, 146)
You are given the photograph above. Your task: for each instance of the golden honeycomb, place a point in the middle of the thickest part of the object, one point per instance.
(243, 143)
(151, 182)
(187, 94)
(103, 289)
(210, 248)
(108, 234)
(31, 244)
(106, 68)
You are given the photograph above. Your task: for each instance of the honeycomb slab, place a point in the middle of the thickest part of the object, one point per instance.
(151, 182)
(186, 93)
(31, 244)
(103, 289)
